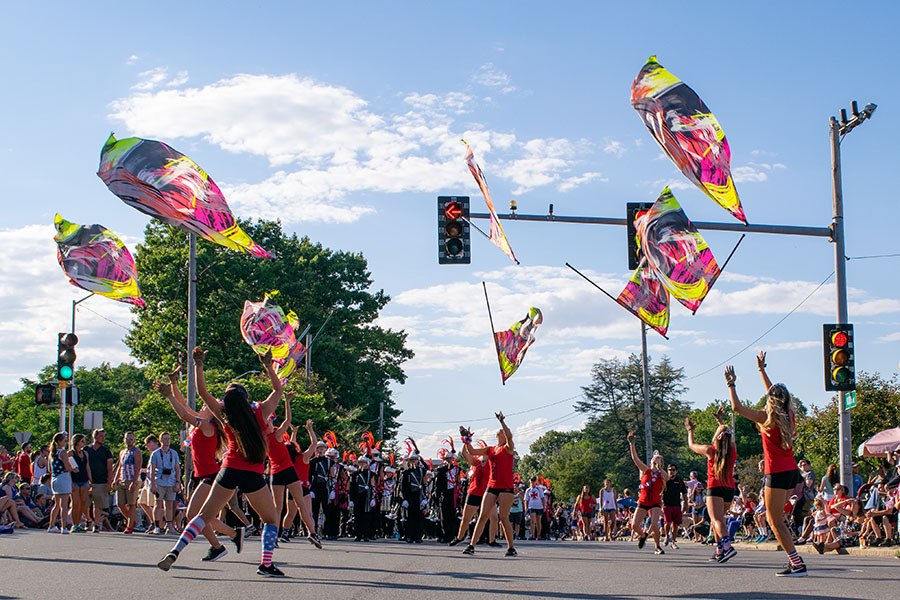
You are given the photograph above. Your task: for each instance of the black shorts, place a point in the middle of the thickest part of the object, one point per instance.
(536, 511)
(649, 507)
(783, 480)
(248, 481)
(473, 500)
(498, 491)
(588, 515)
(285, 476)
(725, 493)
(207, 479)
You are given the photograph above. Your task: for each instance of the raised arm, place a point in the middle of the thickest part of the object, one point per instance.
(757, 416)
(184, 412)
(510, 445)
(700, 449)
(208, 400)
(761, 365)
(313, 440)
(634, 456)
(269, 405)
(282, 429)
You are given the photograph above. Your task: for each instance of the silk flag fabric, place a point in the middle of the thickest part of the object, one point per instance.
(688, 133)
(676, 260)
(266, 328)
(164, 183)
(497, 236)
(96, 260)
(513, 343)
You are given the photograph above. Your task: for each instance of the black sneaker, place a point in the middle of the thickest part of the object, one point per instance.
(215, 554)
(238, 539)
(285, 538)
(659, 551)
(470, 549)
(511, 552)
(715, 557)
(727, 555)
(642, 541)
(455, 541)
(819, 546)
(495, 544)
(166, 563)
(314, 540)
(792, 571)
(270, 571)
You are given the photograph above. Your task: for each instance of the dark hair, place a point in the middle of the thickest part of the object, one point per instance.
(239, 416)
(832, 474)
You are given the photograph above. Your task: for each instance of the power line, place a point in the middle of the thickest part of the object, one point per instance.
(766, 332)
(512, 414)
(872, 256)
(82, 307)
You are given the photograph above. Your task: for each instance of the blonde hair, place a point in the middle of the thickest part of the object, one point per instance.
(779, 414)
(724, 451)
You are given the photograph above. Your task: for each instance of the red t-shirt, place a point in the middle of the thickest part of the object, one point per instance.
(651, 488)
(302, 468)
(478, 480)
(233, 457)
(777, 459)
(501, 463)
(203, 453)
(728, 480)
(587, 504)
(279, 456)
(23, 467)
(6, 462)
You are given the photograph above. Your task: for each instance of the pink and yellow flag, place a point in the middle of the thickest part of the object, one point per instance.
(497, 236)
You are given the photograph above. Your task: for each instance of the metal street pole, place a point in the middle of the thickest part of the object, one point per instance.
(840, 281)
(191, 343)
(648, 423)
(381, 421)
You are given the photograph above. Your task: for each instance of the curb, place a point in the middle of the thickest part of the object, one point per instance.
(809, 549)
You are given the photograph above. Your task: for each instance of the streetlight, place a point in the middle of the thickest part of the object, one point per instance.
(838, 130)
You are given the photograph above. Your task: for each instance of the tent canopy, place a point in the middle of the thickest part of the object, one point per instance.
(880, 443)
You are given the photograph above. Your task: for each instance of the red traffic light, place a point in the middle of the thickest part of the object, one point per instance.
(68, 340)
(453, 211)
(839, 339)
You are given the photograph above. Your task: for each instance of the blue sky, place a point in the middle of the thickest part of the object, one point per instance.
(344, 121)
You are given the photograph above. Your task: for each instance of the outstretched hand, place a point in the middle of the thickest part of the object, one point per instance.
(761, 360)
(688, 424)
(730, 377)
(175, 375)
(720, 415)
(199, 355)
(266, 359)
(500, 416)
(630, 437)
(163, 388)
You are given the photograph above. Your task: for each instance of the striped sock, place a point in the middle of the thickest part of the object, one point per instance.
(725, 542)
(794, 558)
(269, 537)
(190, 532)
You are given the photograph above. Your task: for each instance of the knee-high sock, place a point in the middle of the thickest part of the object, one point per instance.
(190, 532)
(269, 537)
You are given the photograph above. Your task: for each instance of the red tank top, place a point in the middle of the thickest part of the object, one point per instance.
(302, 468)
(728, 480)
(203, 453)
(478, 482)
(501, 463)
(777, 459)
(279, 456)
(233, 457)
(587, 504)
(651, 488)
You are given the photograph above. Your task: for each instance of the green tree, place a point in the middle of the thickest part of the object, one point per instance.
(355, 360)
(542, 452)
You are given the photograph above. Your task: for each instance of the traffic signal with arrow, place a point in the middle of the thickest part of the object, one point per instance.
(840, 370)
(454, 242)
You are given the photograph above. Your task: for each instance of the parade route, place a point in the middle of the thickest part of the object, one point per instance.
(114, 565)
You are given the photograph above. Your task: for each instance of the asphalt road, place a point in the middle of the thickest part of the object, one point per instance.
(35, 564)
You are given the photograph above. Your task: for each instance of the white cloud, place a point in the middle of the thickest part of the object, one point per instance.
(490, 76)
(326, 143)
(614, 147)
(132, 59)
(35, 304)
(755, 172)
(570, 183)
(891, 337)
(793, 345)
(180, 78)
(780, 297)
(675, 184)
(151, 79)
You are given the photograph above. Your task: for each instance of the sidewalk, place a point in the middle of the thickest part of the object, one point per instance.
(893, 551)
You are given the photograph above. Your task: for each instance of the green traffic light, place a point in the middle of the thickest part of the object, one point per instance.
(65, 372)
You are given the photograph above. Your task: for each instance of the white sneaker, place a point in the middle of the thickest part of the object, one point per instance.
(65, 531)
(53, 529)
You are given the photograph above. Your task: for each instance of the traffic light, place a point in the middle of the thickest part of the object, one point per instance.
(840, 372)
(45, 393)
(65, 356)
(634, 210)
(454, 242)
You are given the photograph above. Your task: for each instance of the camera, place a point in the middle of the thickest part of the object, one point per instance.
(167, 471)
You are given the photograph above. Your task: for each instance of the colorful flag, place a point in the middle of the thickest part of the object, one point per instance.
(688, 133)
(95, 259)
(164, 183)
(497, 236)
(266, 328)
(513, 343)
(676, 260)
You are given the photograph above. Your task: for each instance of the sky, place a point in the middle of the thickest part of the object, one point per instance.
(344, 121)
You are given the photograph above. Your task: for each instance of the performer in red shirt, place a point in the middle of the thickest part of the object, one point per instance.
(653, 480)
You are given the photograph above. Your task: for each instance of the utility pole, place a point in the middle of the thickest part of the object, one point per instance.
(381, 421)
